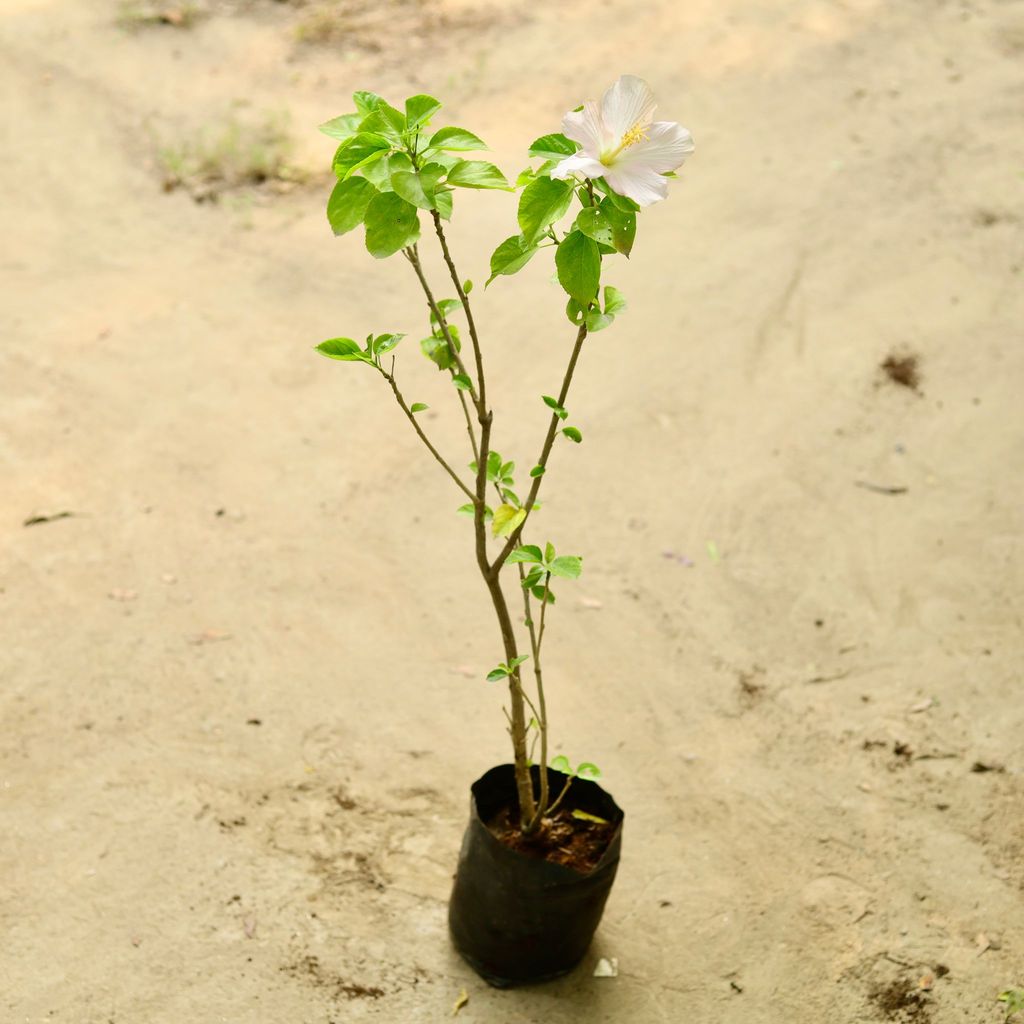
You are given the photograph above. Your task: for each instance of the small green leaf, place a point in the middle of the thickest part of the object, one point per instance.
(549, 552)
(623, 224)
(469, 509)
(543, 594)
(553, 147)
(347, 204)
(343, 348)
(477, 174)
(384, 343)
(437, 351)
(462, 382)
(568, 567)
(391, 224)
(497, 674)
(444, 307)
(518, 660)
(573, 434)
(586, 770)
(467, 287)
(614, 301)
(342, 128)
(419, 407)
(420, 109)
(552, 404)
(532, 578)
(493, 466)
(457, 139)
(598, 321)
(543, 202)
(527, 553)
(506, 519)
(538, 471)
(561, 764)
(579, 267)
(511, 256)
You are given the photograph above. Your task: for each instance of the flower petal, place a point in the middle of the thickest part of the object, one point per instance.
(586, 127)
(638, 182)
(626, 103)
(579, 164)
(667, 145)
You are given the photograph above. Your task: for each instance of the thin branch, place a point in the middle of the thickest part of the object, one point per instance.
(411, 416)
(542, 719)
(469, 426)
(453, 273)
(412, 255)
(549, 441)
(561, 796)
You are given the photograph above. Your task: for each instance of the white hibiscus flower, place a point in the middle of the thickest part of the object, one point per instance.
(621, 143)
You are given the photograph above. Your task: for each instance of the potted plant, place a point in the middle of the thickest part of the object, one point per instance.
(542, 845)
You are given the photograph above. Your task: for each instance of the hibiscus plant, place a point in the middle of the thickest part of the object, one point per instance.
(610, 160)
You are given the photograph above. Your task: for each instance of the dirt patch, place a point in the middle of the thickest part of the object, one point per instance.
(903, 369)
(310, 970)
(901, 1000)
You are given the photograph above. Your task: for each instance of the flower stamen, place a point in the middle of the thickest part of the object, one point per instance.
(635, 134)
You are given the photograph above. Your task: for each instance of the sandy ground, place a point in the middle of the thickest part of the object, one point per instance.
(241, 684)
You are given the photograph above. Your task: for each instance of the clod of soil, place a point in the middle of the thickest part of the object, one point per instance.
(903, 370)
(563, 839)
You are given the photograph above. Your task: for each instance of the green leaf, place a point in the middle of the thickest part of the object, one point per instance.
(466, 510)
(527, 553)
(553, 147)
(462, 382)
(623, 203)
(568, 567)
(506, 519)
(420, 109)
(598, 321)
(467, 286)
(579, 267)
(391, 224)
(538, 471)
(343, 348)
(561, 764)
(385, 120)
(366, 102)
(586, 815)
(342, 128)
(543, 594)
(542, 203)
(614, 301)
(511, 256)
(549, 552)
(419, 187)
(384, 343)
(493, 466)
(347, 204)
(419, 407)
(457, 139)
(552, 403)
(437, 351)
(444, 307)
(354, 153)
(623, 225)
(586, 770)
(533, 577)
(573, 434)
(496, 674)
(575, 312)
(477, 174)
(443, 203)
(518, 660)
(594, 223)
